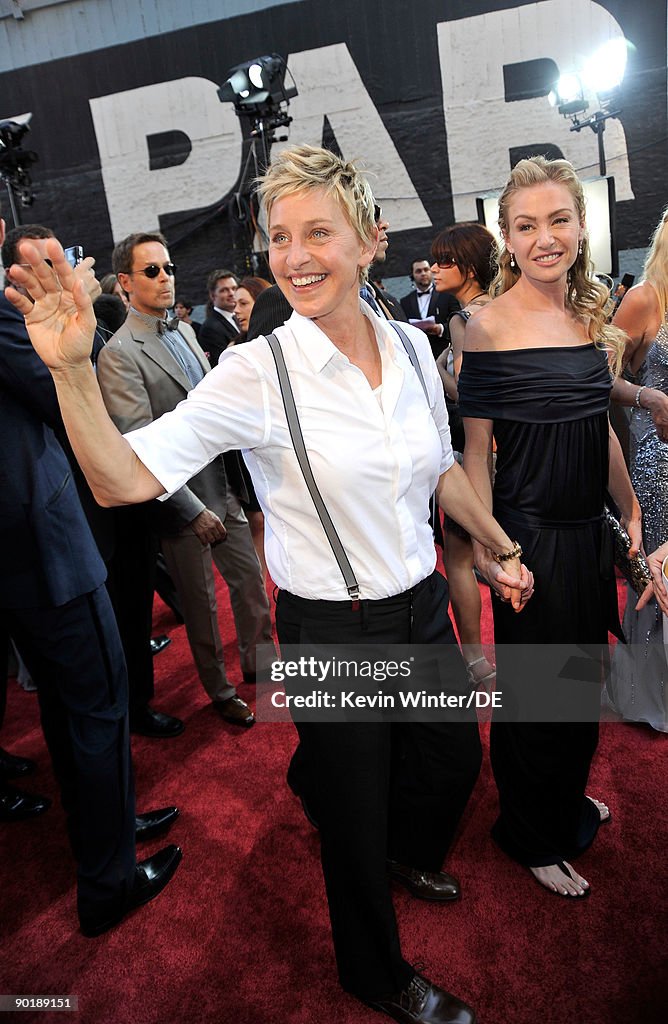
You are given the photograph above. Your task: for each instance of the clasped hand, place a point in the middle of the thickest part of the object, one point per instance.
(512, 583)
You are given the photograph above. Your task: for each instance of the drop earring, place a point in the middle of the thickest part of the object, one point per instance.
(580, 250)
(512, 260)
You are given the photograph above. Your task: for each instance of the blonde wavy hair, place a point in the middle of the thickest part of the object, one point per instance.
(655, 270)
(588, 299)
(308, 168)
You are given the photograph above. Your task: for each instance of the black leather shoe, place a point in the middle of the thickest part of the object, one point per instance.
(15, 805)
(158, 643)
(151, 877)
(154, 823)
(12, 767)
(235, 710)
(149, 722)
(421, 1002)
(436, 886)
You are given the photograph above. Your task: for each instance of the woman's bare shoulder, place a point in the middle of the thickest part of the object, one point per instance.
(484, 326)
(640, 300)
(639, 314)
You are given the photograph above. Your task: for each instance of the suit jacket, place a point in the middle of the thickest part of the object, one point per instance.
(140, 380)
(441, 306)
(48, 553)
(215, 335)
(387, 303)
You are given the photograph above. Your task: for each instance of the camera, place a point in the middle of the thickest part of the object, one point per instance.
(74, 255)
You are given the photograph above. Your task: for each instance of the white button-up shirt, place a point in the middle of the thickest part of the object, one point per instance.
(376, 463)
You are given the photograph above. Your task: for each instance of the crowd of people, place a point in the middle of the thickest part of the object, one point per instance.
(482, 396)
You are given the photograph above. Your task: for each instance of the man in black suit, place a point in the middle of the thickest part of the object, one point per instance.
(54, 604)
(220, 326)
(425, 302)
(123, 536)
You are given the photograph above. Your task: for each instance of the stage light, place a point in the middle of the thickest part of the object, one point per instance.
(602, 73)
(568, 95)
(257, 87)
(604, 70)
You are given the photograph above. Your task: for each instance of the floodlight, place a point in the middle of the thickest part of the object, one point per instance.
(604, 70)
(568, 95)
(257, 87)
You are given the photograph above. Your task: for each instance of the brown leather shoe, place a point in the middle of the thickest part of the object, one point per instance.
(421, 1002)
(437, 886)
(235, 710)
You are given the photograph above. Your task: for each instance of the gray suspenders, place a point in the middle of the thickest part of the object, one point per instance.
(297, 438)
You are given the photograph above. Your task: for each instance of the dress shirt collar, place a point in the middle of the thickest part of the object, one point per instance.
(319, 350)
(157, 324)
(228, 316)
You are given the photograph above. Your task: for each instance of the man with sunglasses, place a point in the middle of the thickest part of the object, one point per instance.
(381, 301)
(145, 370)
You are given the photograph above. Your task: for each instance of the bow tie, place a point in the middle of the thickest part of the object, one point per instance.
(168, 325)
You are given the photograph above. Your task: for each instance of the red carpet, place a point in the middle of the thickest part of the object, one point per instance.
(241, 935)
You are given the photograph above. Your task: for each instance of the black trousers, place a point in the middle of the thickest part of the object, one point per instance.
(132, 573)
(379, 790)
(75, 657)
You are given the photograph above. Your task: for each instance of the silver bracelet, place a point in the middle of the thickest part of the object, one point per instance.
(638, 394)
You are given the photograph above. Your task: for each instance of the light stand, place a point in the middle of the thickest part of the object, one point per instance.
(14, 164)
(597, 124)
(257, 90)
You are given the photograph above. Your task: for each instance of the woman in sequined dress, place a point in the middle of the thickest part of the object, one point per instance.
(637, 687)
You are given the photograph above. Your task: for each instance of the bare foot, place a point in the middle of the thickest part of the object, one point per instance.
(554, 879)
(603, 809)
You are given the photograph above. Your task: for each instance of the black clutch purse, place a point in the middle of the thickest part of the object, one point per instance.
(634, 570)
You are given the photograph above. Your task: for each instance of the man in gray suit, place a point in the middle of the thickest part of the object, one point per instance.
(145, 370)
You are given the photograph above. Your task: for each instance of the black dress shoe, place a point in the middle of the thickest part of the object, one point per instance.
(151, 877)
(15, 805)
(149, 722)
(236, 711)
(12, 767)
(437, 886)
(421, 1002)
(153, 823)
(158, 643)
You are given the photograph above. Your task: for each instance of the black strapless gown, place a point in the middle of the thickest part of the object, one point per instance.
(549, 408)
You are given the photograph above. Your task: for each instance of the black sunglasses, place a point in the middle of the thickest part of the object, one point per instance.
(377, 212)
(152, 270)
(446, 261)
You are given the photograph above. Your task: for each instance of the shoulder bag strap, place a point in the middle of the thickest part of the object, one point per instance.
(412, 355)
(305, 466)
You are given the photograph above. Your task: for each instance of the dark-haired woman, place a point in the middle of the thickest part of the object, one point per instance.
(463, 265)
(244, 300)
